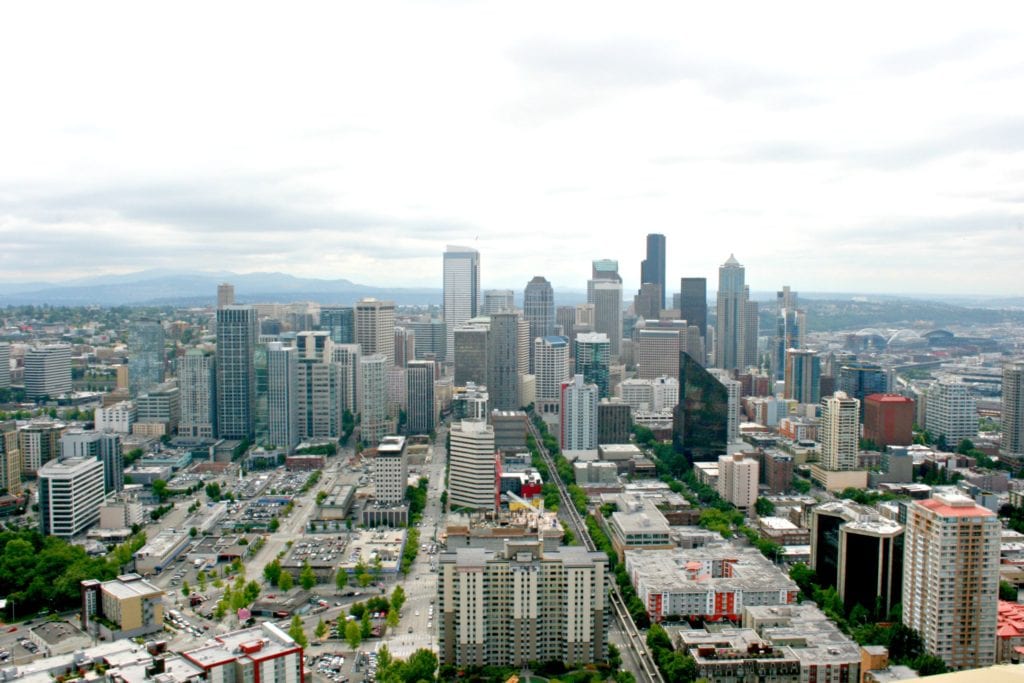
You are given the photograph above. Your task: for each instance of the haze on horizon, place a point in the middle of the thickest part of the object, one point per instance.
(863, 148)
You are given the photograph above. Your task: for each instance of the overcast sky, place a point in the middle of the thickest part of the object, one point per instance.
(879, 148)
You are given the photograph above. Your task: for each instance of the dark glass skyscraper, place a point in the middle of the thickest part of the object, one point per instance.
(693, 303)
(652, 268)
(236, 371)
(539, 309)
(700, 421)
(340, 322)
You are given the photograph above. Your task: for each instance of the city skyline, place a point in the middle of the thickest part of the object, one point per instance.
(864, 165)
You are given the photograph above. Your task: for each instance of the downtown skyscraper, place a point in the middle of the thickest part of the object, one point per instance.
(1012, 442)
(693, 308)
(652, 268)
(461, 291)
(236, 371)
(736, 330)
(145, 355)
(604, 291)
(539, 308)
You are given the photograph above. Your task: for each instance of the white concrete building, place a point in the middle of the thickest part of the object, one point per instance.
(950, 411)
(472, 473)
(579, 415)
(70, 496)
(47, 370)
(839, 432)
(737, 479)
(392, 470)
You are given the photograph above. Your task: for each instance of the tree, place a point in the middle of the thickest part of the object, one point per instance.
(297, 633)
(421, 666)
(365, 627)
(764, 507)
(272, 572)
(1007, 591)
(929, 665)
(274, 525)
(286, 582)
(160, 489)
(193, 532)
(186, 590)
(392, 620)
(307, 579)
(397, 598)
(353, 635)
(341, 579)
(321, 630)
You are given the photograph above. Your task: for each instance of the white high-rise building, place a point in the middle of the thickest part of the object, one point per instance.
(737, 479)
(197, 383)
(282, 396)
(839, 432)
(951, 579)
(472, 467)
(551, 369)
(375, 423)
(391, 470)
(347, 357)
(70, 496)
(5, 365)
(375, 328)
(498, 301)
(950, 412)
(237, 332)
(657, 352)
(579, 415)
(461, 290)
(47, 371)
(650, 395)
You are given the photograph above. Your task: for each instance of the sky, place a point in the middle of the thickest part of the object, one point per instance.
(853, 147)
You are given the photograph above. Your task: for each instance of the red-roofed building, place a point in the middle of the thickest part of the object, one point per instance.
(889, 419)
(1010, 633)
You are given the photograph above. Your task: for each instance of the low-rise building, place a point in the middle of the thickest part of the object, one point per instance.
(262, 653)
(160, 551)
(737, 656)
(825, 653)
(637, 523)
(126, 607)
(58, 638)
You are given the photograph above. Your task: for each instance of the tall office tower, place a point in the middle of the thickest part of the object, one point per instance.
(392, 470)
(539, 308)
(693, 308)
(197, 382)
(951, 579)
(565, 321)
(695, 344)
(748, 332)
(461, 290)
(608, 312)
(373, 398)
(652, 268)
(471, 403)
(47, 371)
(524, 347)
(225, 294)
(236, 372)
(950, 412)
(472, 467)
(498, 301)
(39, 443)
(469, 351)
(375, 328)
(405, 346)
(503, 369)
(1012, 443)
(107, 448)
(700, 423)
(737, 479)
(315, 346)
(657, 352)
(578, 415)
(731, 315)
(430, 339)
(647, 302)
(602, 269)
(420, 414)
(145, 355)
(347, 357)
(732, 389)
(858, 380)
(70, 496)
(803, 376)
(5, 365)
(839, 432)
(283, 396)
(889, 420)
(789, 330)
(592, 358)
(10, 458)
(397, 392)
(551, 363)
(522, 604)
(320, 404)
(614, 421)
(339, 322)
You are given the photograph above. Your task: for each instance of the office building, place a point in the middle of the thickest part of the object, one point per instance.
(607, 300)
(421, 417)
(10, 458)
(839, 432)
(647, 303)
(592, 357)
(737, 479)
(803, 376)
(429, 340)
(522, 604)
(347, 358)
(889, 420)
(39, 443)
(225, 295)
(614, 422)
(539, 308)
(693, 308)
(105, 447)
(235, 365)
(700, 422)
(565, 322)
(551, 365)
(510, 429)
(339, 322)
(578, 415)
(1012, 442)
(503, 355)
(859, 379)
(657, 352)
(471, 402)
(118, 417)
(731, 316)
(732, 389)
(951, 579)
(469, 351)
(790, 324)
(498, 301)
(375, 328)
(5, 365)
(47, 371)
(70, 495)
(391, 470)
(405, 346)
(145, 355)
(472, 467)
(197, 383)
(652, 268)
(375, 423)
(161, 404)
(282, 396)
(650, 395)
(950, 412)
(125, 607)
(320, 398)
(461, 290)
(749, 331)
